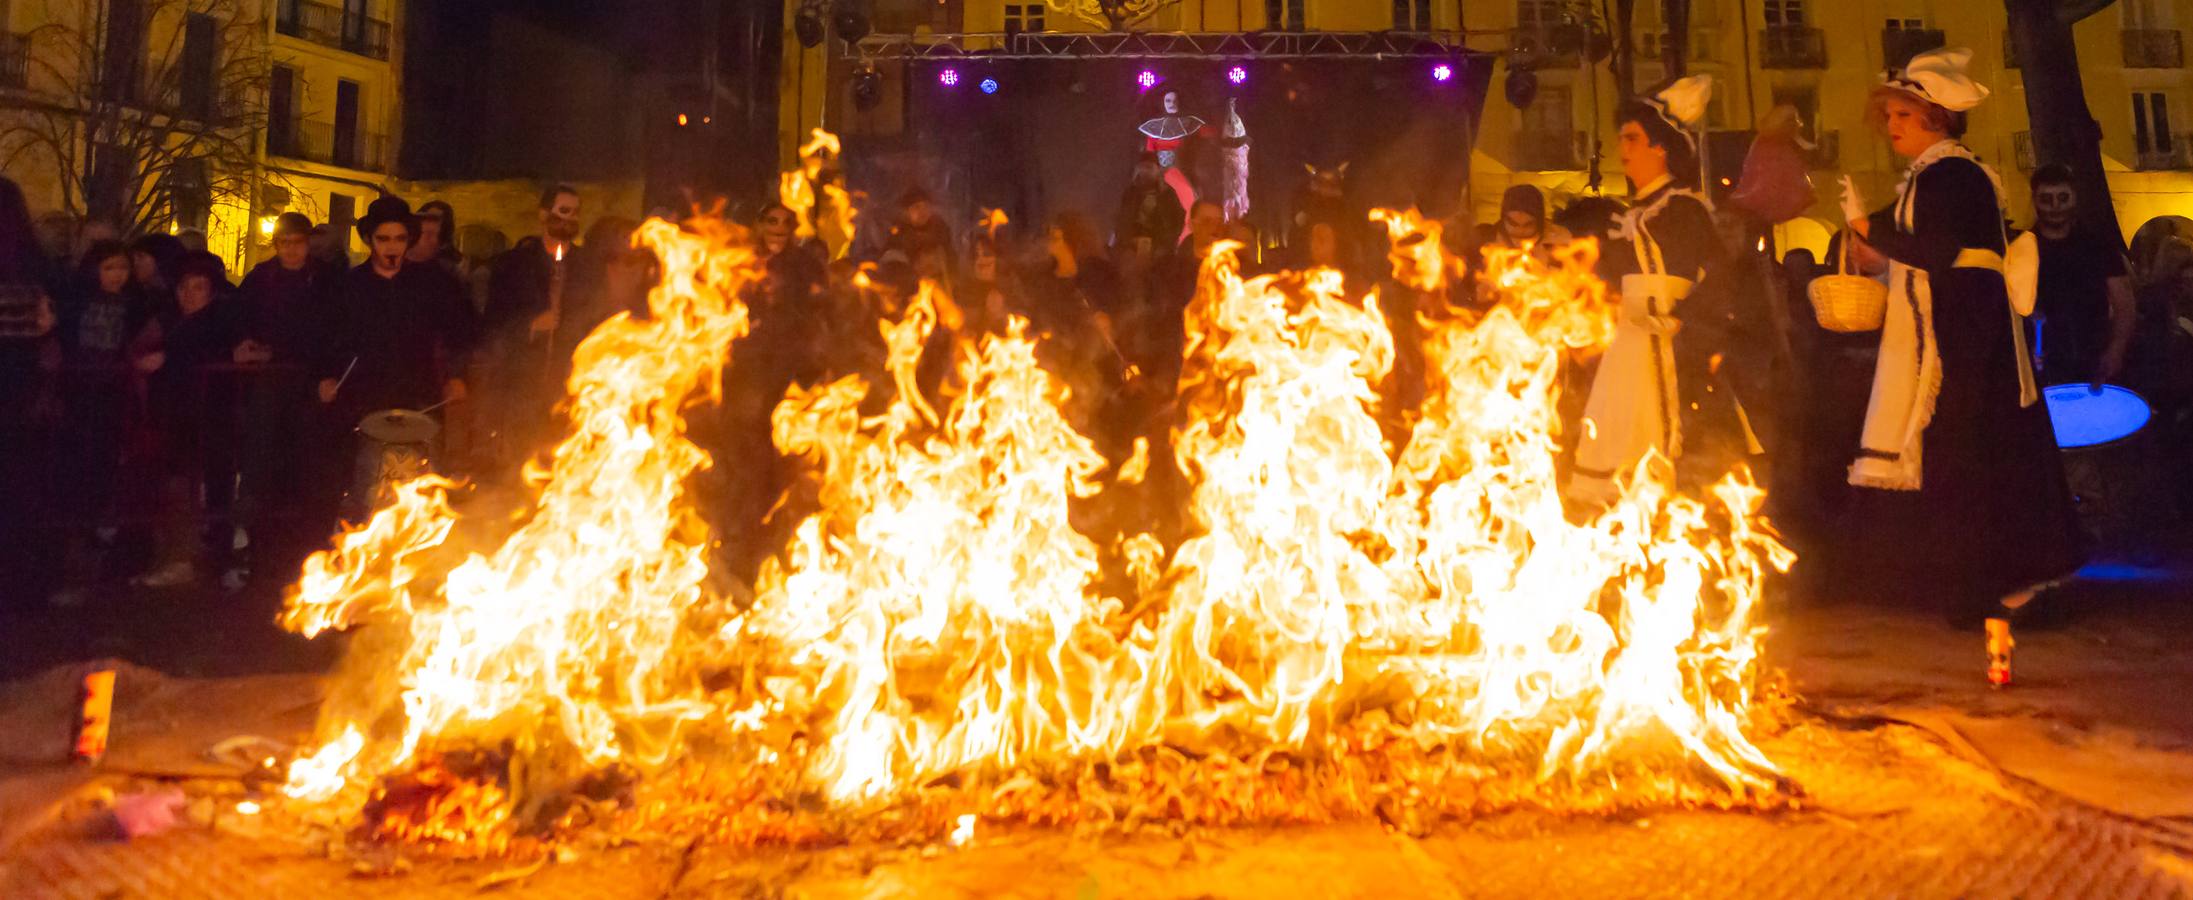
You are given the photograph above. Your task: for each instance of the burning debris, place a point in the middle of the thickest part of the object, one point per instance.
(1348, 630)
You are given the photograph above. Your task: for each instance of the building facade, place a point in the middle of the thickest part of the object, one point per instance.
(334, 108)
(1819, 56)
(209, 114)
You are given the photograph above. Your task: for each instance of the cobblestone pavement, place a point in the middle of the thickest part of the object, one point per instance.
(1890, 810)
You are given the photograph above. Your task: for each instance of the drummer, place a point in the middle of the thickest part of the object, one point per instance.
(400, 333)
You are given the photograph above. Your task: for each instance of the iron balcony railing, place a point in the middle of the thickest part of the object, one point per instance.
(2167, 152)
(1792, 47)
(320, 142)
(1656, 44)
(332, 26)
(1549, 151)
(2021, 149)
(1558, 45)
(1899, 45)
(14, 60)
(2153, 48)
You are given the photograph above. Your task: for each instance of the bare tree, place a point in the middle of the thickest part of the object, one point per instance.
(2064, 129)
(147, 110)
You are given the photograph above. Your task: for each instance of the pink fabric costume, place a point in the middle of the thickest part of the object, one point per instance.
(1165, 136)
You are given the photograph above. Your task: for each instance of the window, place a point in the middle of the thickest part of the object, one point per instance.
(1785, 13)
(346, 125)
(2151, 122)
(123, 50)
(1023, 17)
(1806, 100)
(282, 111)
(1537, 13)
(342, 213)
(199, 48)
(1412, 15)
(2143, 14)
(1895, 24)
(1283, 15)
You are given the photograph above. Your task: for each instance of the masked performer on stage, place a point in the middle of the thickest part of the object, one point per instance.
(1971, 512)
(1166, 135)
(1641, 400)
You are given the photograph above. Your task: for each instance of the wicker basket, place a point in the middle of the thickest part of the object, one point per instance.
(1847, 302)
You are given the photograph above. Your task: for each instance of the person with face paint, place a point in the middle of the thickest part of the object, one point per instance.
(1166, 134)
(404, 326)
(524, 288)
(1969, 510)
(2084, 304)
(1644, 401)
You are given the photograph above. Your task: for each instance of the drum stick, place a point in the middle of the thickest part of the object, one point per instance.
(346, 373)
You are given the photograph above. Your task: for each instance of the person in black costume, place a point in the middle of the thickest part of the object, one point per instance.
(1970, 509)
(1649, 395)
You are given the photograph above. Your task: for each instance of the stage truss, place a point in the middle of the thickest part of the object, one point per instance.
(1375, 45)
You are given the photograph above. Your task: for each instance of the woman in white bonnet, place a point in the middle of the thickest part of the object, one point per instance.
(1969, 509)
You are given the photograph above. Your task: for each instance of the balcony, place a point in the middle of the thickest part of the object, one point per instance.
(14, 61)
(1899, 45)
(1827, 150)
(332, 26)
(1543, 151)
(2021, 148)
(2152, 48)
(318, 142)
(2179, 155)
(1792, 47)
(1556, 45)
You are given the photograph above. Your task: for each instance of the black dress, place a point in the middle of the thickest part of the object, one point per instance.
(1993, 514)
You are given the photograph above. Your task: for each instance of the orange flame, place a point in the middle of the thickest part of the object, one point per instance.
(941, 614)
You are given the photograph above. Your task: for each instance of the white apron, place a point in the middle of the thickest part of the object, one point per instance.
(1634, 408)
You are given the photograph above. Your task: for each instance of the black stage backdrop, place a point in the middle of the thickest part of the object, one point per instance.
(1060, 134)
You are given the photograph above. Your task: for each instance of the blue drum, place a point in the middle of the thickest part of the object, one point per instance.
(2110, 459)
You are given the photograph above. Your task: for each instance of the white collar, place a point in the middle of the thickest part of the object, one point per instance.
(1655, 185)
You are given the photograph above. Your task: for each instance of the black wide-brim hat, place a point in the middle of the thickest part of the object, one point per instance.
(386, 209)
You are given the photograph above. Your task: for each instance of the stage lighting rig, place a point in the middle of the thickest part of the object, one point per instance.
(807, 23)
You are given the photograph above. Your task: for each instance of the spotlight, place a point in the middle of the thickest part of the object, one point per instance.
(1146, 79)
(867, 89)
(989, 85)
(948, 77)
(1442, 73)
(851, 19)
(807, 24)
(1237, 74)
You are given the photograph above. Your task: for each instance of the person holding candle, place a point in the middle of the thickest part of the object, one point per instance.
(523, 308)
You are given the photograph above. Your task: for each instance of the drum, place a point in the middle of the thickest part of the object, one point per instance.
(394, 446)
(2110, 459)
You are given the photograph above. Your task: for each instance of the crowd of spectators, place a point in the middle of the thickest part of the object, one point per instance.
(166, 422)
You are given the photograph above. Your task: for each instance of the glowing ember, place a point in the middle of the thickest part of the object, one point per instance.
(1348, 629)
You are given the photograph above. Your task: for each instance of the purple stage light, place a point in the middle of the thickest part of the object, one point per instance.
(1442, 72)
(1237, 75)
(1146, 78)
(948, 77)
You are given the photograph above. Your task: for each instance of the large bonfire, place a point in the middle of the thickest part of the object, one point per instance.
(1349, 628)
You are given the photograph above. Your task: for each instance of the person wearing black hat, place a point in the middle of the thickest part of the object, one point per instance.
(404, 331)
